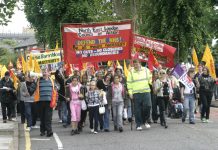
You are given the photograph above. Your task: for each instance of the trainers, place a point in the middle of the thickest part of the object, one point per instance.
(120, 129)
(207, 120)
(95, 132)
(35, 127)
(191, 122)
(4, 121)
(204, 120)
(28, 129)
(147, 126)
(60, 121)
(13, 119)
(92, 130)
(139, 128)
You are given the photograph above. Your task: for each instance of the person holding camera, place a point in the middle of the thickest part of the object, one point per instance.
(164, 91)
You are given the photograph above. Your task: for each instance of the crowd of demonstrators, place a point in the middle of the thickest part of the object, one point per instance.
(106, 94)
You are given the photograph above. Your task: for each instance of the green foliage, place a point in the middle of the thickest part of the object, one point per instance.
(6, 11)
(187, 22)
(7, 55)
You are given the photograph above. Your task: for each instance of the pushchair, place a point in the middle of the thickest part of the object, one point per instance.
(175, 105)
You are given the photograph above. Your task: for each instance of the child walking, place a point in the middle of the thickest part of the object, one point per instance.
(94, 98)
(75, 103)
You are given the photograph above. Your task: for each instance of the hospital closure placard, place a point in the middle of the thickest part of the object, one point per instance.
(97, 42)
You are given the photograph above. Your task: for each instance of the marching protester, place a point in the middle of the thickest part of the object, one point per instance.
(21, 98)
(188, 96)
(43, 95)
(155, 76)
(103, 85)
(197, 76)
(117, 93)
(94, 99)
(75, 103)
(164, 91)
(83, 90)
(206, 86)
(7, 97)
(139, 90)
(27, 90)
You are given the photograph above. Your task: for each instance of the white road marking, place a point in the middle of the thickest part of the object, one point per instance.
(58, 141)
(35, 139)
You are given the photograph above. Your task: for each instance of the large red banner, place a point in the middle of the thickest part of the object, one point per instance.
(97, 42)
(163, 53)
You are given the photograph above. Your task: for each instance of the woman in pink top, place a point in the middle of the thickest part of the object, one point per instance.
(75, 103)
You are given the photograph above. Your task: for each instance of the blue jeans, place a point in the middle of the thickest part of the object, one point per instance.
(189, 105)
(28, 113)
(118, 113)
(142, 108)
(129, 109)
(106, 117)
(64, 111)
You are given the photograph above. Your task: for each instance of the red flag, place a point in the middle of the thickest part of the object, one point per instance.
(68, 68)
(95, 64)
(152, 61)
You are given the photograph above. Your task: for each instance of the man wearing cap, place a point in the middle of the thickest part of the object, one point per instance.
(138, 81)
(7, 96)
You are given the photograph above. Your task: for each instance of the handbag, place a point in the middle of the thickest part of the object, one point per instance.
(83, 105)
(101, 109)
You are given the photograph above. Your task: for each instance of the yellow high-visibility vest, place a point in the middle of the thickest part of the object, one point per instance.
(138, 81)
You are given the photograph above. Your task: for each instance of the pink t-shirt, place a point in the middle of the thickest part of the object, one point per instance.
(74, 92)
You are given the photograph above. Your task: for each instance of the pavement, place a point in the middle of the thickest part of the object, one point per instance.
(8, 134)
(214, 103)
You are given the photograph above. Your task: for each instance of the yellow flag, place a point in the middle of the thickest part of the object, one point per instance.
(118, 64)
(195, 57)
(30, 64)
(24, 65)
(126, 71)
(109, 63)
(18, 64)
(208, 58)
(4, 69)
(15, 79)
(36, 67)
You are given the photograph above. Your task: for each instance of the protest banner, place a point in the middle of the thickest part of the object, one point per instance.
(163, 52)
(97, 42)
(49, 59)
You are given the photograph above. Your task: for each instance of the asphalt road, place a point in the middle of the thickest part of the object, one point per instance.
(178, 136)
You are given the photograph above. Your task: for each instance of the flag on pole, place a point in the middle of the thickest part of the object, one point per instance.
(24, 65)
(30, 64)
(126, 71)
(109, 63)
(14, 78)
(37, 68)
(18, 64)
(195, 57)
(208, 59)
(152, 61)
(4, 69)
(118, 64)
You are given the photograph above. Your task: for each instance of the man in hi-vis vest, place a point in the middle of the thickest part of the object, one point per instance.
(138, 81)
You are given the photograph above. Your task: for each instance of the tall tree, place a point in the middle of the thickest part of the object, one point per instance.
(6, 11)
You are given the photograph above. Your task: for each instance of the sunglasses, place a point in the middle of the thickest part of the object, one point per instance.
(162, 73)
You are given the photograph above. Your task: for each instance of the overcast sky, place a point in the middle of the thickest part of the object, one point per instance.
(18, 21)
